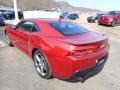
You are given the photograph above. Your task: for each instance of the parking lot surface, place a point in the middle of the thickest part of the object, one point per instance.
(110, 31)
(17, 71)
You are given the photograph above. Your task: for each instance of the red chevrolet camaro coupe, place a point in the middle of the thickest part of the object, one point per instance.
(59, 48)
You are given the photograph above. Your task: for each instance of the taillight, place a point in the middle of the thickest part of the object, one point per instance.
(80, 52)
(88, 49)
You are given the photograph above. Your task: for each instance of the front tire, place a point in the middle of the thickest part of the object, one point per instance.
(114, 24)
(8, 40)
(41, 65)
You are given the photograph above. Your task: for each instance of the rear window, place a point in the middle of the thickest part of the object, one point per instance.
(68, 28)
(75, 14)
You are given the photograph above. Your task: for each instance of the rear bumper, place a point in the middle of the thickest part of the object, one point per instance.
(90, 71)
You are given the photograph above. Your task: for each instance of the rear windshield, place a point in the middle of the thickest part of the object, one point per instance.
(68, 28)
(75, 14)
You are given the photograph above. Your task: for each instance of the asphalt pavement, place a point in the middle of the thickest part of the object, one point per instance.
(17, 72)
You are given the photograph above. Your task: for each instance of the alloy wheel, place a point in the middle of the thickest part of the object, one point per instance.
(40, 64)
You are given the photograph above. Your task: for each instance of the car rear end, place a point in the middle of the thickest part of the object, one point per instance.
(79, 52)
(88, 58)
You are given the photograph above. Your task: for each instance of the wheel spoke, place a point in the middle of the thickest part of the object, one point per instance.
(38, 59)
(44, 66)
(42, 59)
(38, 69)
(42, 70)
(43, 63)
(36, 65)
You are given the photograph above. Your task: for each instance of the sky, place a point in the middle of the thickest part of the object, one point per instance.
(104, 5)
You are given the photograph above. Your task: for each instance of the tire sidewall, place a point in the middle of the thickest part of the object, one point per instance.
(114, 24)
(48, 73)
(8, 40)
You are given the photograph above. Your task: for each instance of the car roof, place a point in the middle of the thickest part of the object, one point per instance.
(47, 20)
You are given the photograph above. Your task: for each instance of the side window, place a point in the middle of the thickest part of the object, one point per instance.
(35, 28)
(28, 26)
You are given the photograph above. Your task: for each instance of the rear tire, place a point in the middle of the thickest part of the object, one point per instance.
(41, 65)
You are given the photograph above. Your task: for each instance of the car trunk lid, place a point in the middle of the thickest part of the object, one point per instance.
(85, 39)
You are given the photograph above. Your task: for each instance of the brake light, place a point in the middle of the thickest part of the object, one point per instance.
(80, 52)
(88, 49)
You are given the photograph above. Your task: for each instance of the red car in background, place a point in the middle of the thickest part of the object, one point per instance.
(111, 19)
(59, 48)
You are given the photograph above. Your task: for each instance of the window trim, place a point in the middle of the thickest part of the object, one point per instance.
(26, 29)
(36, 26)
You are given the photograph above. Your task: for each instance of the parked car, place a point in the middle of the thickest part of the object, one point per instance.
(10, 15)
(94, 18)
(1, 13)
(70, 16)
(73, 16)
(66, 14)
(2, 21)
(111, 19)
(59, 48)
(4, 15)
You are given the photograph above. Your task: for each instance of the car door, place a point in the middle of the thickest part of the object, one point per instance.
(14, 33)
(23, 33)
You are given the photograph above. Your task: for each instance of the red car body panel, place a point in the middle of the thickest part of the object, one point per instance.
(108, 19)
(57, 47)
